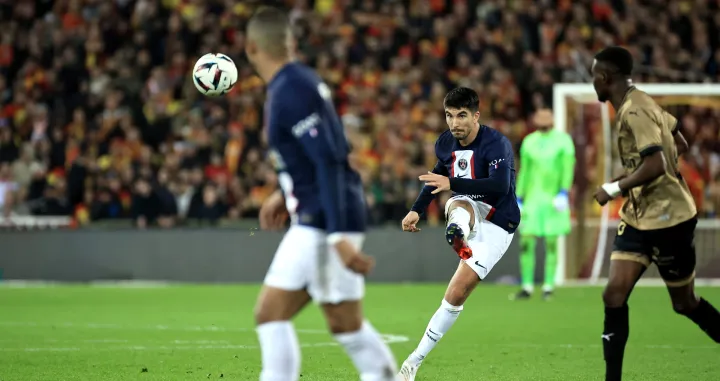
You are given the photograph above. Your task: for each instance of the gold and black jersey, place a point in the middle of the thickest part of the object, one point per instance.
(643, 129)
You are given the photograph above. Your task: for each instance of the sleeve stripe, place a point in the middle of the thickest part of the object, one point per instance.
(647, 151)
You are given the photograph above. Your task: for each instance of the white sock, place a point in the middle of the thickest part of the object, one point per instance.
(280, 351)
(440, 323)
(371, 356)
(461, 217)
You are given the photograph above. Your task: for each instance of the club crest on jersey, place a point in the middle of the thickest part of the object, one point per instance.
(463, 164)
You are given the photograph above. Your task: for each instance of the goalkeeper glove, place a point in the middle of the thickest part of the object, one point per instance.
(561, 202)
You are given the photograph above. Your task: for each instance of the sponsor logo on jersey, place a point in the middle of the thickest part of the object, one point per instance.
(495, 163)
(307, 125)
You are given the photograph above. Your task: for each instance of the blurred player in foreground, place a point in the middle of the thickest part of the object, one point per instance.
(476, 163)
(547, 163)
(659, 215)
(319, 258)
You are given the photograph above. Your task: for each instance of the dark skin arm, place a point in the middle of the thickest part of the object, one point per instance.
(652, 167)
(681, 144)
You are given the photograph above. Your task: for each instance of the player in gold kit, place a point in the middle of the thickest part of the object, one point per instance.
(659, 214)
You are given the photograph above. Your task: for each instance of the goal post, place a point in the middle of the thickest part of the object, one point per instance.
(583, 256)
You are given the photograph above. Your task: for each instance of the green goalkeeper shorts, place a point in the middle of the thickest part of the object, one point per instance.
(543, 220)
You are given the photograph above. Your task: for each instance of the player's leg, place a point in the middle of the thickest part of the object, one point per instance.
(700, 311)
(459, 289)
(363, 344)
(278, 340)
(624, 274)
(676, 263)
(282, 296)
(531, 228)
(460, 222)
(527, 266)
(551, 258)
(628, 262)
(339, 292)
(488, 244)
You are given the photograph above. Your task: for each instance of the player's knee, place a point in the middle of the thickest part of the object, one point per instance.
(462, 204)
(457, 295)
(342, 324)
(344, 317)
(264, 312)
(263, 315)
(614, 296)
(684, 307)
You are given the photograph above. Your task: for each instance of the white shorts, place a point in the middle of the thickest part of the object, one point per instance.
(488, 241)
(305, 261)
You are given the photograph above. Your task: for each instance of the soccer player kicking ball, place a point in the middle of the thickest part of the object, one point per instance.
(659, 215)
(475, 162)
(319, 258)
(547, 162)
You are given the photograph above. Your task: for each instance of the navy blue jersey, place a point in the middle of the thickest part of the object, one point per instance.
(484, 170)
(309, 150)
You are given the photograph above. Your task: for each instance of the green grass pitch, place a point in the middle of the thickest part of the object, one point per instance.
(188, 333)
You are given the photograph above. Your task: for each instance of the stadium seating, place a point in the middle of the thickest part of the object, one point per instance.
(99, 119)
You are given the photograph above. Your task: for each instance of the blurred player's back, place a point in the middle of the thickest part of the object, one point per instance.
(320, 256)
(297, 147)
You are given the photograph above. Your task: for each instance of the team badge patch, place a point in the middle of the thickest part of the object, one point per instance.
(462, 163)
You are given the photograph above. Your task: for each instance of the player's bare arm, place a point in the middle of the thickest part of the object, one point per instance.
(680, 143)
(652, 167)
(273, 212)
(353, 259)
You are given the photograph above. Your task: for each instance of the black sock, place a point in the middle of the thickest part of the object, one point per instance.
(614, 338)
(707, 318)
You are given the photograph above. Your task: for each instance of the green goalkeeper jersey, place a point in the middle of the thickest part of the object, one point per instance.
(547, 163)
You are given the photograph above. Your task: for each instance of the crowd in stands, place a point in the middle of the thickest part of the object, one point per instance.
(99, 119)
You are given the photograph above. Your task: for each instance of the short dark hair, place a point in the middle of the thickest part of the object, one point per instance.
(618, 57)
(269, 26)
(462, 97)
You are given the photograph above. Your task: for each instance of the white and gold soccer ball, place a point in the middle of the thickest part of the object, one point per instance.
(214, 74)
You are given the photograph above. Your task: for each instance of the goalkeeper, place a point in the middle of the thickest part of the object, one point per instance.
(547, 161)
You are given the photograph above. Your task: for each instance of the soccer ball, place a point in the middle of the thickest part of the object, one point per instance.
(214, 74)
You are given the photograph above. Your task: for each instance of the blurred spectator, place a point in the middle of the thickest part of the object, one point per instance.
(100, 120)
(146, 206)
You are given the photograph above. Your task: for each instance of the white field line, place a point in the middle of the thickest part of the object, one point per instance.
(329, 344)
(174, 344)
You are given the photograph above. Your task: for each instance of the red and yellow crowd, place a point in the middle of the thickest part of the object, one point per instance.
(99, 119)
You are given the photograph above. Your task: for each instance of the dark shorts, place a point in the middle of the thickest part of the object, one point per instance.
(671, 249)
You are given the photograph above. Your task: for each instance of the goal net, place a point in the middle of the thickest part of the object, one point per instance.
(585, 253)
